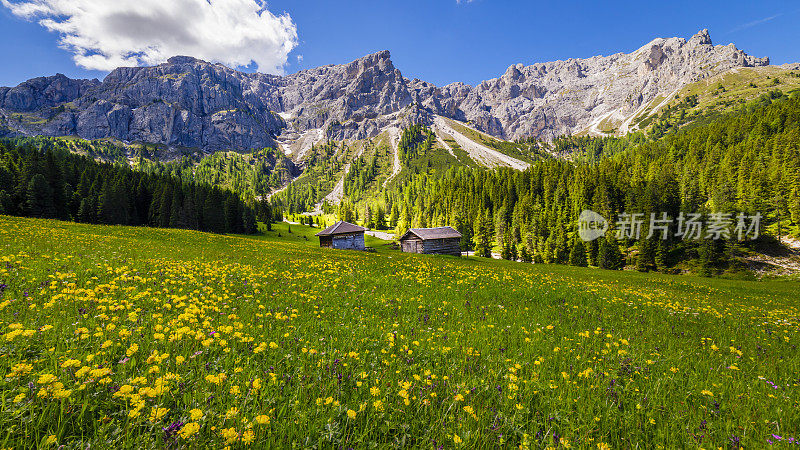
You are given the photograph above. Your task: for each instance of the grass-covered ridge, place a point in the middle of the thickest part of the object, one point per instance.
(136, 337)
(706, 100)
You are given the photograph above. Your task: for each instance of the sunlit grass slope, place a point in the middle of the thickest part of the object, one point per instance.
(138, 338)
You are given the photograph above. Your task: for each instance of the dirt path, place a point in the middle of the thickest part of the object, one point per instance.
(381, 235)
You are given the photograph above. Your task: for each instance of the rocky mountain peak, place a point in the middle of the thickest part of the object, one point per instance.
(701, 38)
(185, 60)
(187, 102)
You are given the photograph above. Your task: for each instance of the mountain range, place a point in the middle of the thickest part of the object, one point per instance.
(187, 103)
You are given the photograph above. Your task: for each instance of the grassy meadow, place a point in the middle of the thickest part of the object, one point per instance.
(150, 338)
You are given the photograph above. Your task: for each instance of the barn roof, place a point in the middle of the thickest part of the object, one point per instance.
(341, 227)
(433, 233)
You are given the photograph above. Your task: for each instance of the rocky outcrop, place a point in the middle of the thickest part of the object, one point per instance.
(191, 103)
(549, 99)
(44, 92)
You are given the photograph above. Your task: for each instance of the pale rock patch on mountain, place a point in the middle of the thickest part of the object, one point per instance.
(297, 145)
(393, 137)
(336, 195)
(480, 153)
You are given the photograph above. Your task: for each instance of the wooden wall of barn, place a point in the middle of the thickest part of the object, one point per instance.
(448, 246)
(411, 245)
(353, 241)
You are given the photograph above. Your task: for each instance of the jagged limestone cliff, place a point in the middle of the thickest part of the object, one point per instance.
(195, 104)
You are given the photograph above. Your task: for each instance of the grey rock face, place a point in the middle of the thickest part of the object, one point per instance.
(44, 92)
(550, 99)
(191, 103)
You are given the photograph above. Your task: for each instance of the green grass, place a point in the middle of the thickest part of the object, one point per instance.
(723, 93)
(608, 126)
(112, 335)
(745, 84)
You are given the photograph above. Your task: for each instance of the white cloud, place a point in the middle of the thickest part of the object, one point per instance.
(105, 34)
(299, 59)
(754, 23)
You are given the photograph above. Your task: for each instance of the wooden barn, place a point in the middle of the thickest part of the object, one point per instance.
(432, 241)
(343, 236)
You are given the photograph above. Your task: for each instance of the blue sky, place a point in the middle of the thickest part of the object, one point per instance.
(442, 41)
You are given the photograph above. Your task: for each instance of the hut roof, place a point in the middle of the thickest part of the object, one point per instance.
(433, 233)
(341, 227)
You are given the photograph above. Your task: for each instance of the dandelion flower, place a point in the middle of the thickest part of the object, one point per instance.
(262, 419)
(196, 414)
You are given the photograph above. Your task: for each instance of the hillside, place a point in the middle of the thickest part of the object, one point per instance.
(703, 100)
(518, 199)
(743, 161)
(135, 337)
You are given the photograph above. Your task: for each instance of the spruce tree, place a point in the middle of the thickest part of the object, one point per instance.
(661, 255)
(591, 252)
(644, 260)
(603, 256)
(380, 219)
(505, 251)
(482, 236)
(524, 255)
(577, 255)
(39, 198)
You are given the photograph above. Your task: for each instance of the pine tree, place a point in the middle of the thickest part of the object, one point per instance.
(794, 206)
(394, 216)
(609, 256)
(87, 210)
(380, 219)
(213, 214)
(505, 251)
(525, 256)
(249, 221)
(39, 199)
(709, 257)
(591, 252)
(577, 255)
(644, 260)
(482, 236)
(165, 207)
(661, 255)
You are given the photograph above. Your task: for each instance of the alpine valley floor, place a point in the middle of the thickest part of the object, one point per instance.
(150, 338)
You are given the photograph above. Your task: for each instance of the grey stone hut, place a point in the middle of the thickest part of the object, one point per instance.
(432, 241)
(343, 236)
